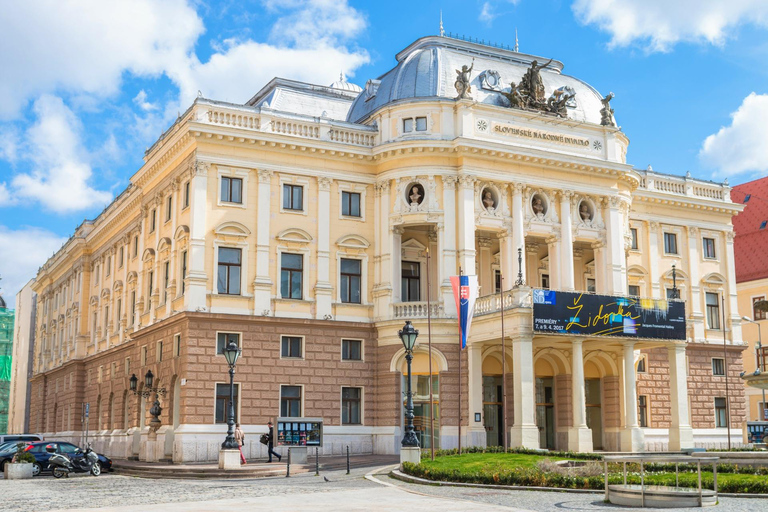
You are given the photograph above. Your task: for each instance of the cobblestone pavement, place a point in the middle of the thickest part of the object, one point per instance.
(553, 501)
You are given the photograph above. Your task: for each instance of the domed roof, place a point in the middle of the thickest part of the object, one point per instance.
(342, 84)
(427, 69)
(2, 302)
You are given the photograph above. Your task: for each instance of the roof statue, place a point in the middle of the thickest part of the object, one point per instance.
(606, 113)
(462, 81)
(532, 85)
(530, 93)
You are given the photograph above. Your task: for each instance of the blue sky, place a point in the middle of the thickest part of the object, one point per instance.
(87, 85)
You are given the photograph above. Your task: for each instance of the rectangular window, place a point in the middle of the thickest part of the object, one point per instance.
(293, 197)
(290, 346)
(144, 355)
(718, 366)
(408, 124)
(159, 351)
(634, 290)
(176, 345)
(224, 338)
(497, 281)
(421, 124)
(545, 281)
(290, 401)
(151, 277)
(713, 310)
(121, 257)
(118, 313)
(153, 220)
(169, 209)
(186, 194)
(229, 271)
(291, 276)
(223, 402)
(591, 286)
(709, 248)
(231, 190)
(106, 321)
(670, 243)
(135, 246)
(351, 281)
(183, 271)
(350, 204)
(108, 271)
(671, 293)
(633, 232)
(351, 350)
(411, 281)
(166, 279)
(720, 413)
(641, 364)
(95, 280)
(133, 307)
(350, 406)
(642, 410)
(757, 314)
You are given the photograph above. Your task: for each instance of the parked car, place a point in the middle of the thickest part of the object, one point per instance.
(41, 455)
(20, 437)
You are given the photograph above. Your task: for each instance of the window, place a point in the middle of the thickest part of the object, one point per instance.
(351, 350)
(95, 280)
(291, 275)
(350, 406)
(222, 402)
(120, 257)
(709, 248)
(634, 290)
(718, 366)
(720, 413)
(747, 198)
(670, 243)
(229, 271)
(176, 345)
(290, 401)
(641, 364)
(350, 204)
(408, 124)
(169, 209)
(293, 197)
(633, 232)
(290, 346)
(642, 410)
(118, 313)
(231, 190)
(757, 314)
(133, 307)
(421, 124)
(224, 338)
(151, 277)
(183, 271)
(144, 355)
(763, 224)
(153, 220)
(351, 279)
(106, 321)
(671, 293)
(497, 281)
(186, 194)
(591, 286)
(411, 281)
(166, 278)
(108, 270)
(159, 351)
(135, 246)
(713, 310)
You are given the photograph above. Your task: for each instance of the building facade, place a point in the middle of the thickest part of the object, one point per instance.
(310, 222)
(21, 364)
(6, 351)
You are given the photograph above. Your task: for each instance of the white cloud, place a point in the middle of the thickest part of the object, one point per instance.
(742, 146)
(141, 101)
(312, 22)
(22, 251)
(487, 13)
(5, 195)
(61, 171)
(660, 24)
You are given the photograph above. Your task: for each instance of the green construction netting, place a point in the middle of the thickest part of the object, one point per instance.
(5, 368)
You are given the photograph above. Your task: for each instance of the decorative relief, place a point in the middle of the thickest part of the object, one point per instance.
(265, 175)
(484, 243)
(416, 195)
(324, 183)
(463, 77)
(490, 80)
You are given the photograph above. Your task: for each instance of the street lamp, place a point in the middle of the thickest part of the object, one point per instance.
(146, 392)
(758, 355)
(408, 336)
(231, 354)
(675, 291)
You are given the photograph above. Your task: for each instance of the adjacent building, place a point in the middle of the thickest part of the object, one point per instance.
(21, 366)
(310, 222)
(6, 350)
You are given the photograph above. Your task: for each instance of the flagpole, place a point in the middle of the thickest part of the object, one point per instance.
(461, 349)
(429, 343)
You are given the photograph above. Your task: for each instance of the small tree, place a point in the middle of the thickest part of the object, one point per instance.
(22, 455)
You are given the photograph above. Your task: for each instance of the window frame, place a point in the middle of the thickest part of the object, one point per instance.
(360, 402)
(177, 345)
(417, 279)
(292, 187)
(721, 411)
(634, 235)
(295, 181)
(642, 360)
(705, 245)
(362, 350)
(709, 308)
(643, 420)
(673, 236)
(720, 365)
(283, 338)
(301, 400)
(228, 267)
(346, 200)
(629, 290)
(239, 335)
(352, 188)
(169, 209)
(349, 279)
(291, 272)
(153, 220)
(758, 315)
(229, 180)
(185, 195)
(226, 399)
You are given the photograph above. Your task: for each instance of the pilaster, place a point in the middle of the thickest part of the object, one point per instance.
(323, 287)
(262, 284)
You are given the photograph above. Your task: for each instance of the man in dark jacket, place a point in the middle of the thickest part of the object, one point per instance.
(271, 443)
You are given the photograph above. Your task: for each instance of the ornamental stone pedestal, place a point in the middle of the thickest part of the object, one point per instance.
(410, 454)
(229, 459)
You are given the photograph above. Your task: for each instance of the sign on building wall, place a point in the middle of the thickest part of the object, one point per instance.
(299, 432)
(604, 315)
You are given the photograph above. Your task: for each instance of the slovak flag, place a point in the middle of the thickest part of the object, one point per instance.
(465, 293)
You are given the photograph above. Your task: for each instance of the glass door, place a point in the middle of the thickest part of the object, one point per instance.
(421, 424)
(594, 411)
(545, 412)
(493, 417)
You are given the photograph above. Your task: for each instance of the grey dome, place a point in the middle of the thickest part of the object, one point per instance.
(343, 85)
(2, 302)
(427, 69)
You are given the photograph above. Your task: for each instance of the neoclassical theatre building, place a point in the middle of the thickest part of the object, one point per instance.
(310, 222)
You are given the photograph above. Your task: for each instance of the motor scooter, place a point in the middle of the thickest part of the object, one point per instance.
(81, 462)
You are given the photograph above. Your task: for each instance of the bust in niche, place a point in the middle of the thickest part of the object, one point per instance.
(538, 207)
(488, 201)
(584, 213)
(416, 196)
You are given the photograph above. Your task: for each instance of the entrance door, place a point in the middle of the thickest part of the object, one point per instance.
(421, 424)
(545, 412)
(594, 411)
(493, 416)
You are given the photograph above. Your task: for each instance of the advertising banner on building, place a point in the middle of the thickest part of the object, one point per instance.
(465, 293)
(587, 314)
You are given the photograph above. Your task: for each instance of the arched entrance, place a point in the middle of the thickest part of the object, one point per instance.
(420, 387)
(493, 407)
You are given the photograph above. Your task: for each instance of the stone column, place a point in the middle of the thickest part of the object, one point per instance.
(486, 277)
(396, 239)
(323, 288)
(680, 431)
(140, 288)
(633, 438)
(476, 435)
(262, 283)
(172, 282)
(531, 263)
(466, 245)
(508, 259)
(524, 432)
(518, 232)
(654, 274)
(579, 436)
(616, 258)
(599, 251)
(565, 254)
(197, 280)
(126, 245)
(448, 236)
(694, 246)
(382, 289)
(555, 269)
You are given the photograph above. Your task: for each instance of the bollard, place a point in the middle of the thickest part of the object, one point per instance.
(317, 461)
(288, 464)
(347, 459)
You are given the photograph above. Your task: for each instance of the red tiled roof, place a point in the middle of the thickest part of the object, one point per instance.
(751, 242)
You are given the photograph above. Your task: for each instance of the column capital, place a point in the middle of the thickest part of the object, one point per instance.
(553, 239)
(532, 247)
(381, 187)
(565, 195)
(467, 180)
(449, 181)
(324, 183)
(518, 188)
(396, 230)
(653, 225)
(599, 244)
(198, 168)
(265, 175)
(693, 231)
(730, 235)
(614, 201)
(484, 243)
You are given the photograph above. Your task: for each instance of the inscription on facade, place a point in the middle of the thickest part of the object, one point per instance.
(510, 130)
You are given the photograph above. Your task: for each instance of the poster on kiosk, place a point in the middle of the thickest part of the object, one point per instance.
(465, 293)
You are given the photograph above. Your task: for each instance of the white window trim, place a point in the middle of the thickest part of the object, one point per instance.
(230, 172)
(341, 405)
(243, 246)
(642, 357)
(714, 412)
(401, 125)
(678, 239)
(183, 188)
(226, 413)
(280, 398)
(176, 336)
(718, 249)
(415, 254)
(144, 353)
(363, 258)
(216, 340)
(648, 420)
(356, 188)
(294, 180)
(303, 347)
(719, 293)
(341, 350)
(638, 231)
(305, 252)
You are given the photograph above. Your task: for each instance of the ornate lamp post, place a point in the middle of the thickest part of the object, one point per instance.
(675, 291)
(231, 354)
(408, 336)
(155, 410)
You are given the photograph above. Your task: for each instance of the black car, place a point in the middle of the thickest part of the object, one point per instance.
(40, 453)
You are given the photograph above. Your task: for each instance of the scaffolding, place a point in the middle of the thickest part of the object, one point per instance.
(6, 349)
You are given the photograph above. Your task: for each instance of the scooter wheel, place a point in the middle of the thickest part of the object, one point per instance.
(58, 472)
(96, 469)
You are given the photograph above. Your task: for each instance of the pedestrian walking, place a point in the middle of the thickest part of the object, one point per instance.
(271, 443)
(240, 438)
